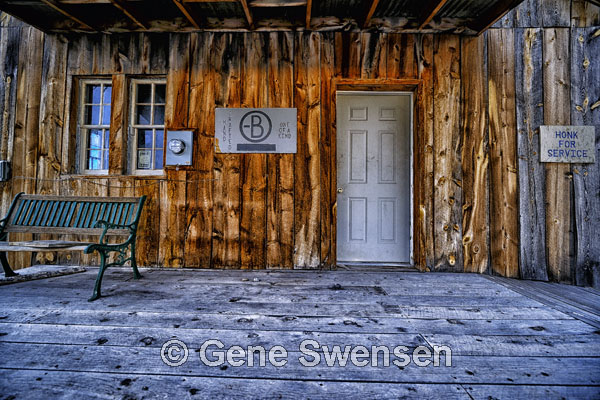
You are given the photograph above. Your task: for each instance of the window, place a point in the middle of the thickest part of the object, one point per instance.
(148, 124)
(94, 125)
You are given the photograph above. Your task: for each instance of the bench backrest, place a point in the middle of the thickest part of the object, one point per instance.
(30, 213)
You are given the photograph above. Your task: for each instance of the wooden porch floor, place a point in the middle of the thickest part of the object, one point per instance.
(504, 344)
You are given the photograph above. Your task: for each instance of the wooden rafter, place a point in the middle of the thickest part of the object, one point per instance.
(370, 13)
(125, 9)
(187, 13)
(308, 13)
(53, 4)
(429, 11)
(492, 15)
(244, 4)
(277, 3)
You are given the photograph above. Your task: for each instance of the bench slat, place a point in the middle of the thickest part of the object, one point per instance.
(27, 215)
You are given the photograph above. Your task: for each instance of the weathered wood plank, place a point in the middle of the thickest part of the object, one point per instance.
(280, 179)
(253, 171)
(555, 13)
(197, 320)
(199, 195)
(173, 190)
(149, 229)
(328, 199)
(475, 156)
(447, 150)
(584, 14)
(41, 384)
(373, 55)
(530, 115)
(558, 176)
(531, 392)
(585, 110)
(307, 166)
(504, 225)
(424, 51)
(142, 360)
(401, 58)
(527, 14)
(117, 158)
(226, 172)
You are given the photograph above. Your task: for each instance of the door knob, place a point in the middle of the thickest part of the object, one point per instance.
(340, 190)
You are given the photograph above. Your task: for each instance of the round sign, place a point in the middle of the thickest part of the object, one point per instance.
(255, 126)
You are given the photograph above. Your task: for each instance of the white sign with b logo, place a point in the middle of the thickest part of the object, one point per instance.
(256, 130)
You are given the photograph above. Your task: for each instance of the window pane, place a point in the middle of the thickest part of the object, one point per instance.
(105, 160)
(143, 115)
(106, 138)
(144, 93)
(92, 115)
(159, 115)
(160, 93)
(106, 115)
(158, 159)
(95, 139)
(92, 94)
(107, 94)
(144, 138)
(159, 138)
(93, 159)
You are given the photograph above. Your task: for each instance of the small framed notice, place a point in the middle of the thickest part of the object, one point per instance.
(144, 159)
(568, 144)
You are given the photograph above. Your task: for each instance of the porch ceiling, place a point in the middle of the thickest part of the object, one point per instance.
(459, 16)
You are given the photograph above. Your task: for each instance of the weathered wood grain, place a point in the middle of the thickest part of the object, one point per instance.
(424, 53)
(504, 201)
(374, 51)
(307, 185)
(447, 154)
(326, 142)
(226, 169)
(253, 171)
(584, 14)
(117, 156)
(280, 167)
(558, 176)
(475, 156)
(199, 195)
(530, 115)
(401, 57)
(555, 13)
(585, 110)
(528, 15)
(149, 230)
(173, 190)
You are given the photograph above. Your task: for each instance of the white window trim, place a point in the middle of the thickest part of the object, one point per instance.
(81, 137)
(133, 126)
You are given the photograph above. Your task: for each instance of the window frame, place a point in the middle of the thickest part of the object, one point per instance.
(83, 129)
(133, 127)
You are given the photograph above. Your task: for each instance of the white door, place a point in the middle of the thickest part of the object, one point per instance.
(374, 177)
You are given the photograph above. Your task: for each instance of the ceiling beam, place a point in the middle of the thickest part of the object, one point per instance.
(308, 13)
(429, 11)
(247, 12)
(126, 9)
(187, 13)
(370, 13)
(54, 5)
(596, 2)
(489, 18)
(277, 3)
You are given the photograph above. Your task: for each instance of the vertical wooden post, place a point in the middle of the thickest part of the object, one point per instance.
(504, 211)
(475, 155)
(558, 176)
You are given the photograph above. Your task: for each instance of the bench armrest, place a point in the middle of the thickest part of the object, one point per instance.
(109, 225)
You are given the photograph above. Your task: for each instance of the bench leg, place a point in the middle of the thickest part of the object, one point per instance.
(6, 266)
(96, 295)
(136, 273)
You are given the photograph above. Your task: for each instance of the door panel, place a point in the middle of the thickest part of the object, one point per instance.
(373, 161)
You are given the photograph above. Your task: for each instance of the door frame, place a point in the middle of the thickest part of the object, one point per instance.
(418, 149)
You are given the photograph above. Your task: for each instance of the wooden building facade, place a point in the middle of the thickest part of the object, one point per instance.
(482, 201)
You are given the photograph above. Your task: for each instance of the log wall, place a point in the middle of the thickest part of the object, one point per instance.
(483, 202)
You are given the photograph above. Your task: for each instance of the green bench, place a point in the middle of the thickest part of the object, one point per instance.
(73, 215)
